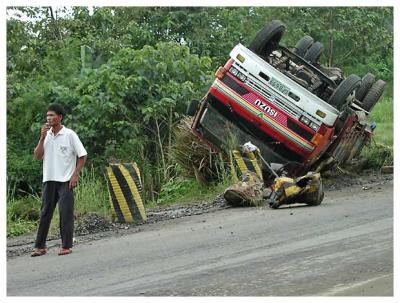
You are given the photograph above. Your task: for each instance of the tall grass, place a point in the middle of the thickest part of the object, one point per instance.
(379, 152)
(22, 214)
(16, 227)
(188, 190)
(382, 114)
(91, 196)
(377, 155)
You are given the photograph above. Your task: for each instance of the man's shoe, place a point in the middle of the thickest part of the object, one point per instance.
(36, 252)
(64, 251)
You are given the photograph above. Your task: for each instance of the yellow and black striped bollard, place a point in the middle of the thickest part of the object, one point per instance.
(126, 193)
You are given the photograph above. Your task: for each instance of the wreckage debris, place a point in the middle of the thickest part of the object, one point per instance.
(250, 190)
(305, 189)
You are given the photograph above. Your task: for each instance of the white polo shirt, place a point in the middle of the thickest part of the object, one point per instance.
(60, 152)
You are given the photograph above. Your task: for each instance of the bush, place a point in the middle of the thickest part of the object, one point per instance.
(25, 208)
(377, 155)
(91, 195)
(175, 189)
(24, 174)
(382, 114)
(19, 227)
(22, 215)
(186, 190)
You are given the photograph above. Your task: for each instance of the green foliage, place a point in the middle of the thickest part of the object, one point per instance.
(91, 194)
(26, 208)
(23, 173)
(382, 114)
(351, 36)
(19, 227)
(377, 155)
(380, 151)
(22, 215)
(187, 190)
(176, 189)
(137, 86)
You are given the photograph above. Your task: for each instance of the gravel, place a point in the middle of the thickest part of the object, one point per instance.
(336, 180)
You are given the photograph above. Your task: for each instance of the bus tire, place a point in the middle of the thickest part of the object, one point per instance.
(314, 52)
(373, 95)
(339, 97)
(366, 83)
(303, 45)
(267, 39)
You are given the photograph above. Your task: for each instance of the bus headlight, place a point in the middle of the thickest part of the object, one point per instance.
(233, 71)
(314, 126)
(305, 120)
(241, 77)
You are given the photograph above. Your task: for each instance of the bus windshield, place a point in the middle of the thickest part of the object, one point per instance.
(226, 130)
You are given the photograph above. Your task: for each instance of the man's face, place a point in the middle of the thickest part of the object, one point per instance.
(53, 119)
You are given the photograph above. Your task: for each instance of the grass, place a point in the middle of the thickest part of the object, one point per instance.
(376, 155)
(91, 196)
(194, 157)
(379, 152)
(22, 215)
(187, 190)
(19, 226)
(382, 114)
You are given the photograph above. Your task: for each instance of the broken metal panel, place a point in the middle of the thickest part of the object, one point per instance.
(305, 189)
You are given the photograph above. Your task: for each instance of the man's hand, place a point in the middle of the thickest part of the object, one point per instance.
(39, 149)
(74, 179)
(73, 182)
(44, 130)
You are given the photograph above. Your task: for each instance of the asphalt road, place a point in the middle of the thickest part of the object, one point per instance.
(344, 247)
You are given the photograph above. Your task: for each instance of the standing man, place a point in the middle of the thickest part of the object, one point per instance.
(59, 147)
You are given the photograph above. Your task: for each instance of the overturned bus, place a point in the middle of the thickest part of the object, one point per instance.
(301, 115)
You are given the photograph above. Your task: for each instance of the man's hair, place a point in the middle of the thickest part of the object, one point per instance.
(57, 108)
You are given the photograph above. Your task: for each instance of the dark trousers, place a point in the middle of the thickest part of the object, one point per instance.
(54, 192)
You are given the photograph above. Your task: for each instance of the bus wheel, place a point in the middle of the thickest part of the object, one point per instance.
(366, 84)
(303, 45)
(267, 39)
(340, 96)
(314, 52)
(373, 95)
